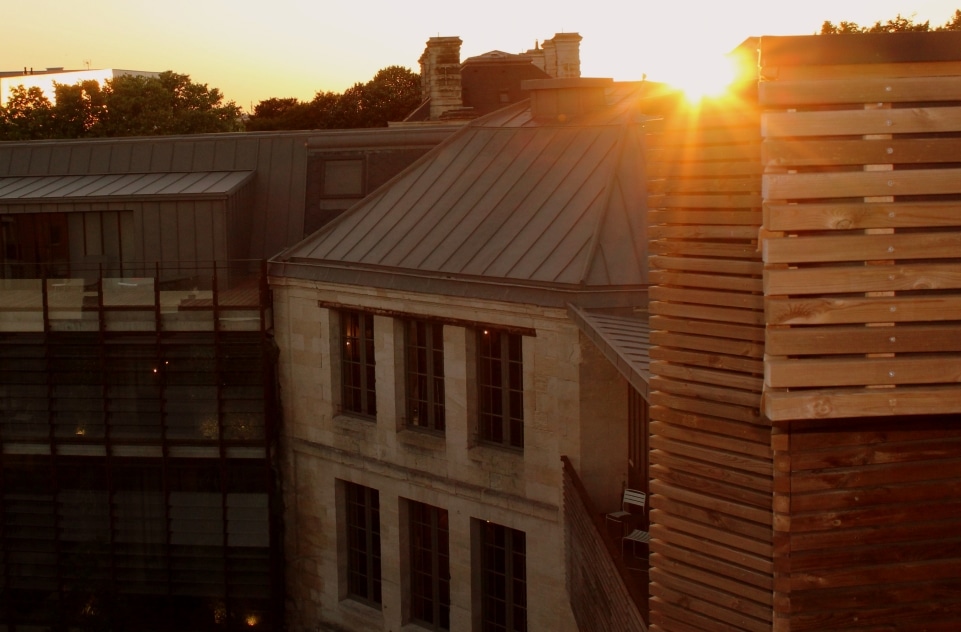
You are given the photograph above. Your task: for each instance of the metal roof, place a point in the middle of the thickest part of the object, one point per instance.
(193, 184)
(510, 199)
(624, 341)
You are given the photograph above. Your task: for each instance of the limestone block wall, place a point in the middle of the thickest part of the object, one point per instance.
(522, 490)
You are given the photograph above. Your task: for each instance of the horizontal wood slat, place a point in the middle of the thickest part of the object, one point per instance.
(852, 216)
(819, 153)
(875, 309)
(859, 90)
(823, 403)
(869, 371)
(856, 339)
(861, 122)
(859, 278)
(843, 184)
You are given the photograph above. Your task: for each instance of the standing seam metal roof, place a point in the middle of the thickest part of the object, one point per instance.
(20, 189)
(509, 198)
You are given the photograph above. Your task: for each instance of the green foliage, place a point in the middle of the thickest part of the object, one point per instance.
(27, 116)
(392, 94)
(129, 105)
(899, 24)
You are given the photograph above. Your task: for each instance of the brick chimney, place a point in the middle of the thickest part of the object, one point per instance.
(440, 75)
(564, 99)
(562, 55)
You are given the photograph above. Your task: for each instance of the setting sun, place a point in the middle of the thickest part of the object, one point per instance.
(704, 78)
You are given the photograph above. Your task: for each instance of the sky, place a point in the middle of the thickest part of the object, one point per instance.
(257, 50)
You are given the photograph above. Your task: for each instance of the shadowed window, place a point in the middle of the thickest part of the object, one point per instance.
(363, 542)
(429, 566)
(425, 375)
(358, 394)
(500, 379)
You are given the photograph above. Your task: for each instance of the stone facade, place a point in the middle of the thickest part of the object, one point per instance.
(520, 489)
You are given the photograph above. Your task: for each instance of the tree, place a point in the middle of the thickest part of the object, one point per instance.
(78, 108)
(129, 105)
(899, 24)
(392, 94)
(28, 115)
(168, 104)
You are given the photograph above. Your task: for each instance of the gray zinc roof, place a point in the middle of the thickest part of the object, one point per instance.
(512, 202)
(194, 184)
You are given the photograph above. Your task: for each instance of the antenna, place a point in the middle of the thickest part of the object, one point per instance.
(86, 62)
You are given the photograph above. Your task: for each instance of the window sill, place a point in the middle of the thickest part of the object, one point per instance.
(485, 451)
(360, 607)
(423, 439)
(356, 422)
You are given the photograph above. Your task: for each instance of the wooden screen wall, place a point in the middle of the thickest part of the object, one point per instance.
(862, 219)
(710, 460)
(862, 253)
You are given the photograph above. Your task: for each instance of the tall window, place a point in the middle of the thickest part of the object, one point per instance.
(363, 542)
(425, 375)
(357, 364)
(503, 578)
(500, 377)
(429, 566)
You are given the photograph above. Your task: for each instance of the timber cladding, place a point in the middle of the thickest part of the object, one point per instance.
(862, 226)
(711, 461)
(869, 533)
(805, 256)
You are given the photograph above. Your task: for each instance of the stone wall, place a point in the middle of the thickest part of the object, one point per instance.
(472, 481)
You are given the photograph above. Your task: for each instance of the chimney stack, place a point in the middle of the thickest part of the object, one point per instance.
(440, 75)
(562, 56)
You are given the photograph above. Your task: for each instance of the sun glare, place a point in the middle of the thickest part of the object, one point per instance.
(708, 78)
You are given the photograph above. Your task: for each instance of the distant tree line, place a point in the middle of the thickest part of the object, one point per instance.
(897, 25)
(128, 105)
(135, 105)
(391, 95)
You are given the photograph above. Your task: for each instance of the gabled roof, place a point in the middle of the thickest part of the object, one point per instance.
(194, 184)
(510, 202)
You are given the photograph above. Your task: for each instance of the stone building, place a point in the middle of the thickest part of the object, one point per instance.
(433, 372)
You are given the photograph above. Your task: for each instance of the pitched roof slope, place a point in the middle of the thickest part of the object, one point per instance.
(508, 199)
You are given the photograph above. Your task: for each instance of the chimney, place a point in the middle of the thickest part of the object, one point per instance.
(567, 55)
(564, 99)
(440, 75)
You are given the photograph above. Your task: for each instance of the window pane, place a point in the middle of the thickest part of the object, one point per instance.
(425, 375)
(429, 566)
(363, 542)
(503, 579)
(500, 388)
(358, 392)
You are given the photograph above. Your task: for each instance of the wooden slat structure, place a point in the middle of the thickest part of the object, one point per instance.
(711, 461)
(862, 225)
(806, 329)
(861, 239)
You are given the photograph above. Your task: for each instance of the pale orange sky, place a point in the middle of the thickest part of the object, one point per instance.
(284, 48)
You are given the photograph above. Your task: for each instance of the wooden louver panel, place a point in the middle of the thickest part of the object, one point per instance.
(711, 464)
(862, 245)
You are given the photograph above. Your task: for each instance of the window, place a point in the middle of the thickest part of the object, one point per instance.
(503, 578)
(425, 375)
(358, 393)
(500, 379)
(363, 542)
(429, 566)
